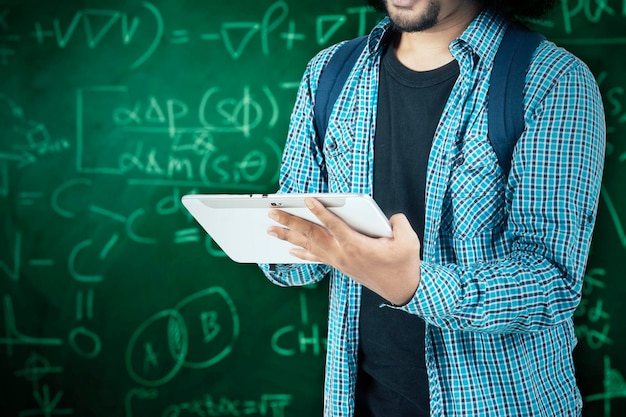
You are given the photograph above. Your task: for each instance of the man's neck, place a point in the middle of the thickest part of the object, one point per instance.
(427, 50)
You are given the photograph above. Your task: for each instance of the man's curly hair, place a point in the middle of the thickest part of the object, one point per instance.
(515, 9)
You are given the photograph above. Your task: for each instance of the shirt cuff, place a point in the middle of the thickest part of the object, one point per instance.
(438, 292)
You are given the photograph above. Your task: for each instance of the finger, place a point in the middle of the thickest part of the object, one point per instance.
(293, 222)
(299, 232)
(305, 255)
(297, 224)
(333, 223)
(294, 237)
(282, 217)
(303, 247)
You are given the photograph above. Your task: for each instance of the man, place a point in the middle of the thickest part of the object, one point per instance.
(467, 310)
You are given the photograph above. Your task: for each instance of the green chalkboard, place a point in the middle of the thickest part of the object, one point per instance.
(113, 302)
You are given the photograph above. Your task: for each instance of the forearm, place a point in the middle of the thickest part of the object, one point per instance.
(523, 293)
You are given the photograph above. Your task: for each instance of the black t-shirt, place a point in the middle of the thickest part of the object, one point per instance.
(392, 378)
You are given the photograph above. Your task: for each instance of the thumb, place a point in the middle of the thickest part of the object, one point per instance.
(401, 227)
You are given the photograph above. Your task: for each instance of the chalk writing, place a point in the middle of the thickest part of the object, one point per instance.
(272, 405)
(615, 108)
(296, 339)
(210, 314)
(36, 368)
(597, 327)
(614, 387)
(47, 406)
(128, 29)
(85, 342)
(73, 261)
(617, 222)
(572, 14)
(138, 393)
(26, 140)
(191, 156)
(592, 10)
(84, 304)
(213, 315)
(142, 31)
(170, 325)
(109, 114)
(14, 337)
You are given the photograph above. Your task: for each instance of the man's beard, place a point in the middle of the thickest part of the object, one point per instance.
(402, 23)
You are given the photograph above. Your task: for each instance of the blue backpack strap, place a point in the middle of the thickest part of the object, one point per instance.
(331, 82)
(506, 91)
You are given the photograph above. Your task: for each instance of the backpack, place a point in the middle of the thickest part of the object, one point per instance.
(505, 102)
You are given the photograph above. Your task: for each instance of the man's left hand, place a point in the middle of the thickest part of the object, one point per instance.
(388, 266)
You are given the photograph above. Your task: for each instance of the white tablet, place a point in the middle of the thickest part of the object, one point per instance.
(238, 223)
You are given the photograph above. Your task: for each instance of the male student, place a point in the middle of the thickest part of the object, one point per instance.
(467, 310)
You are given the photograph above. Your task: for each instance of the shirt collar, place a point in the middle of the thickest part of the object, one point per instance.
(375, 41)
(480, 39)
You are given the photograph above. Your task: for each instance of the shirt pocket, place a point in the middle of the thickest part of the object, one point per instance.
(338, 152)
(474, 203)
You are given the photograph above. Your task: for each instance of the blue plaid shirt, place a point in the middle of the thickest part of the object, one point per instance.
(504, 257)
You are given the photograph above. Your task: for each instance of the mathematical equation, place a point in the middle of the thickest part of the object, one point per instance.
(153, 141)
(144, 30)
(146, 139)
(272, 405)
